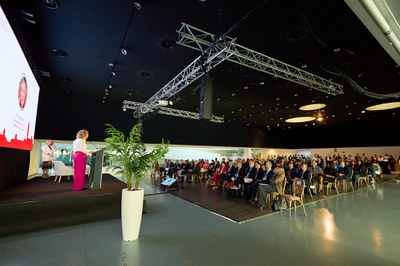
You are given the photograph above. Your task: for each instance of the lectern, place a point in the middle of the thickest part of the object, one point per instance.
(96, 167)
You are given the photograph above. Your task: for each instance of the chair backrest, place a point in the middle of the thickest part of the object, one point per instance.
(58, 167)
(298, 187)
(284, 185)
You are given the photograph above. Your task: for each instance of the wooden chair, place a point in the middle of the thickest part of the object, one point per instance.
(274, 195)
(298, 185)
(361, 179)
(343, 183)
(329, 186)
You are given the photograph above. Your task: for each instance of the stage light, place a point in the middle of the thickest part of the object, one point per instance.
(124, 51)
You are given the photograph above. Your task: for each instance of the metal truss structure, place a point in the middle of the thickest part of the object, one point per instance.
(200, 40)
(169, 111)
(211, 57)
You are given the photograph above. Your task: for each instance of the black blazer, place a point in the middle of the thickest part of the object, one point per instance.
(306, 175)
(291, 174)
(269, 174)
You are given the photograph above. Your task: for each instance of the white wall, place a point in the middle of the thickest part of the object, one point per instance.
(177, 152)
(369, 151)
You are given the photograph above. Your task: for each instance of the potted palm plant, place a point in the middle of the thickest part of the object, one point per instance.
(129, 157)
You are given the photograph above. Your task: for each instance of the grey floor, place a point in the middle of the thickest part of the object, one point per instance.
(360, 228)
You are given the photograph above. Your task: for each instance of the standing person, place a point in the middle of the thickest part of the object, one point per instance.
(80, 158)
(47, 157)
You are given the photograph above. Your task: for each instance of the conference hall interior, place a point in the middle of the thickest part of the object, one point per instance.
(264, 85)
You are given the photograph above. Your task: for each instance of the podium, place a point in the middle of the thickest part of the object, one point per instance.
(96, 167)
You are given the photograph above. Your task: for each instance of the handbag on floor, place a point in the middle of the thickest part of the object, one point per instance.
(276, 205)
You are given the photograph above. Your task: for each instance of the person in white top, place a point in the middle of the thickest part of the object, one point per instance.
(80, 158)
(47, 157)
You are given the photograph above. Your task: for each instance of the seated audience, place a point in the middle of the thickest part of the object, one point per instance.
(275, 185)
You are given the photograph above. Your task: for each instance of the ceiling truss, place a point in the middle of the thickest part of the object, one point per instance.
(200, 40)
(170, 111)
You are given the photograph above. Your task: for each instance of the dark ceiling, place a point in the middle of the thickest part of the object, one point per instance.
(322, 37)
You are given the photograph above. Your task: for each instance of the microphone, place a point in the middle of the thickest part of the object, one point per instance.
(91, 143)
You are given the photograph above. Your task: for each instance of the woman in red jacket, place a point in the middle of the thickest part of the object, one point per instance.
(221, 170)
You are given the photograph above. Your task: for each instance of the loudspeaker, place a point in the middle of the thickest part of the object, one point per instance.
(169, 184)
(206, 98)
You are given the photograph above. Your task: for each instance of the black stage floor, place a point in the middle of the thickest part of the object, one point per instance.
(42, 203)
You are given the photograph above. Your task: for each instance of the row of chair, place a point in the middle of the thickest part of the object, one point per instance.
(299, 186)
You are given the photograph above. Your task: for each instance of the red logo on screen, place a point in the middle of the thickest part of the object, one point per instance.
(26, 144)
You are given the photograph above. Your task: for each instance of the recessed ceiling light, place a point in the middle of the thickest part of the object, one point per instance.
(320, 118)
(113, 73)
(45, 73)
(300, 119)
(145, 74)
(262, 83)
(137, 5)
(233, 94)
(124, 51)
(50, 4)
(383, 106)
(59, 52)
(110, 64)
(167, 44)
(363, 111)
(311, 107)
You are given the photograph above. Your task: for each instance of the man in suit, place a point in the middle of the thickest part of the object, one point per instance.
(268, 174)
(359, 171)
(305, 174)
(275, 185)
(238, 176)
(316, 172)
(291, 174)
(344, 171)
(230, 171)
(254, 176)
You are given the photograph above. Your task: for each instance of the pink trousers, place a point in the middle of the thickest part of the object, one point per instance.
(79, 170)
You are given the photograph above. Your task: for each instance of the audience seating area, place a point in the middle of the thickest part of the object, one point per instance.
(286, 179)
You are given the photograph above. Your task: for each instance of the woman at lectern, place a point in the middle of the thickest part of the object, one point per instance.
(80, 158)
(47, 157)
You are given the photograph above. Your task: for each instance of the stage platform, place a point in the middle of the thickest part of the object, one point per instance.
(42, 203)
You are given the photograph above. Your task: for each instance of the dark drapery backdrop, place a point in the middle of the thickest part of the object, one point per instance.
(14, 166)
